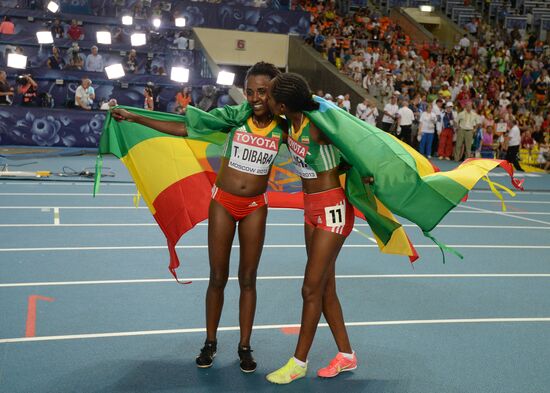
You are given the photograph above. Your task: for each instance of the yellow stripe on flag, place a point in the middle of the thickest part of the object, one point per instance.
(422, 164)
(157, 163)
(469, 173)
(399, 241)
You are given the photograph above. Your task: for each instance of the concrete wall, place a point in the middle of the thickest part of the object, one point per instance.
(221, 46)
(416, 31)
(321, 74)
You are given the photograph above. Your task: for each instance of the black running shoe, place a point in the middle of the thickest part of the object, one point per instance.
(248, 365)
(208, 352)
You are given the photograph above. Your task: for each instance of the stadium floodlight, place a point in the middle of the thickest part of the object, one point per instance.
(138, 39)
(15, 60)
(179, 74)
(426, 8)
(225, 78)
(180, 22)
(103, 37)
(156, 22)
(44, 37)
(127, 20)
(115, 71)
(53, 7)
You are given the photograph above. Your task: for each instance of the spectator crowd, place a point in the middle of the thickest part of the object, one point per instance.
(486, 96)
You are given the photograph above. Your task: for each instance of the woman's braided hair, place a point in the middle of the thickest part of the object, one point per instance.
(293, 90)
(263, 68)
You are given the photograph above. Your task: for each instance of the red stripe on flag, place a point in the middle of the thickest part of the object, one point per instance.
(180, 207)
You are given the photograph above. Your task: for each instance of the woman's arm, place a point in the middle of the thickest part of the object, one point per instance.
(31, 81)
(168, 127)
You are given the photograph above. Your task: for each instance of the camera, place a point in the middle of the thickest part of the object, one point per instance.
(21, 80)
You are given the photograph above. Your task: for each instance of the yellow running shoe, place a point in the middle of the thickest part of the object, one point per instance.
(288, 373)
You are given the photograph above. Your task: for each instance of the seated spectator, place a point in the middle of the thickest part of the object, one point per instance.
(75, 32)
(84, 95)
(28, 88)
(6, 91)
(149, 102)
(7, 26)
(183, 98)
(181, 41)
(55, 61)
(340, 102)
(131, 62)
(57, 29)
(75, 63)
(94, 61)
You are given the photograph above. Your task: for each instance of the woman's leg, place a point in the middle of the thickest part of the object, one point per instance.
(221, 230)
(323, 250)
(251, 240)
(333, 312)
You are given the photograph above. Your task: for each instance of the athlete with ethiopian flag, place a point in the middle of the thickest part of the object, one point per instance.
(405, 183)
(238, 196)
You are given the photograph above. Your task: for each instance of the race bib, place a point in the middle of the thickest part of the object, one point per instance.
(335, 216)
(298, 153)
(252, 154)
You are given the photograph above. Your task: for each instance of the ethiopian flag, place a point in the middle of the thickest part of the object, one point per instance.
(405, 182)
(175, 175)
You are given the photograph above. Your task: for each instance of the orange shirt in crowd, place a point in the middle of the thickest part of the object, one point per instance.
(183, 100)
(7, 27)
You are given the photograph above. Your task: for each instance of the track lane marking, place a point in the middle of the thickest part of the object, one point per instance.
(270, 278)
(270, 327)
(111, 248)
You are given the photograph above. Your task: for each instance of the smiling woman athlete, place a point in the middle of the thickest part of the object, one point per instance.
(329, 218)
(239, 196)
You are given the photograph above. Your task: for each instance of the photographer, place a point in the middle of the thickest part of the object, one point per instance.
(6, 91)
(28, 88)
(84, 95)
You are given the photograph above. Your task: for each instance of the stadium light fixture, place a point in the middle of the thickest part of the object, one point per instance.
(15, 60)
(225, 78)
(127, 20)
(44, 37)
(156, 22)
(114, 71)
(103, 37)
(426, 8)
(138, 39)
(53, 7)
(179, 74)
(180, 22)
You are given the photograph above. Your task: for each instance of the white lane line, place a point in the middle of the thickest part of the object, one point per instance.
(87, 194)
(270, 278)
(114, 248)
(514, 215)
(55, 216)
(271, 209)
(143, 224)
(360, 233)
(271, 327)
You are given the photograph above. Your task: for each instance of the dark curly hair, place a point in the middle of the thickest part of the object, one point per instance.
(263, 68)
(293, 91)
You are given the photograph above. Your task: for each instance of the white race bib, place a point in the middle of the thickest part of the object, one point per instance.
(298, 153)
(335, 216)
(253, 154)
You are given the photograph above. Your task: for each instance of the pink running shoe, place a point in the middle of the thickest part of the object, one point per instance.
(338, 365)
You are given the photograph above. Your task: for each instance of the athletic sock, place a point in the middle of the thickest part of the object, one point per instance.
(348, 356)
(299, 362)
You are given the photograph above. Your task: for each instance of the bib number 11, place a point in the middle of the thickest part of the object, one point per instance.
(335, 216)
